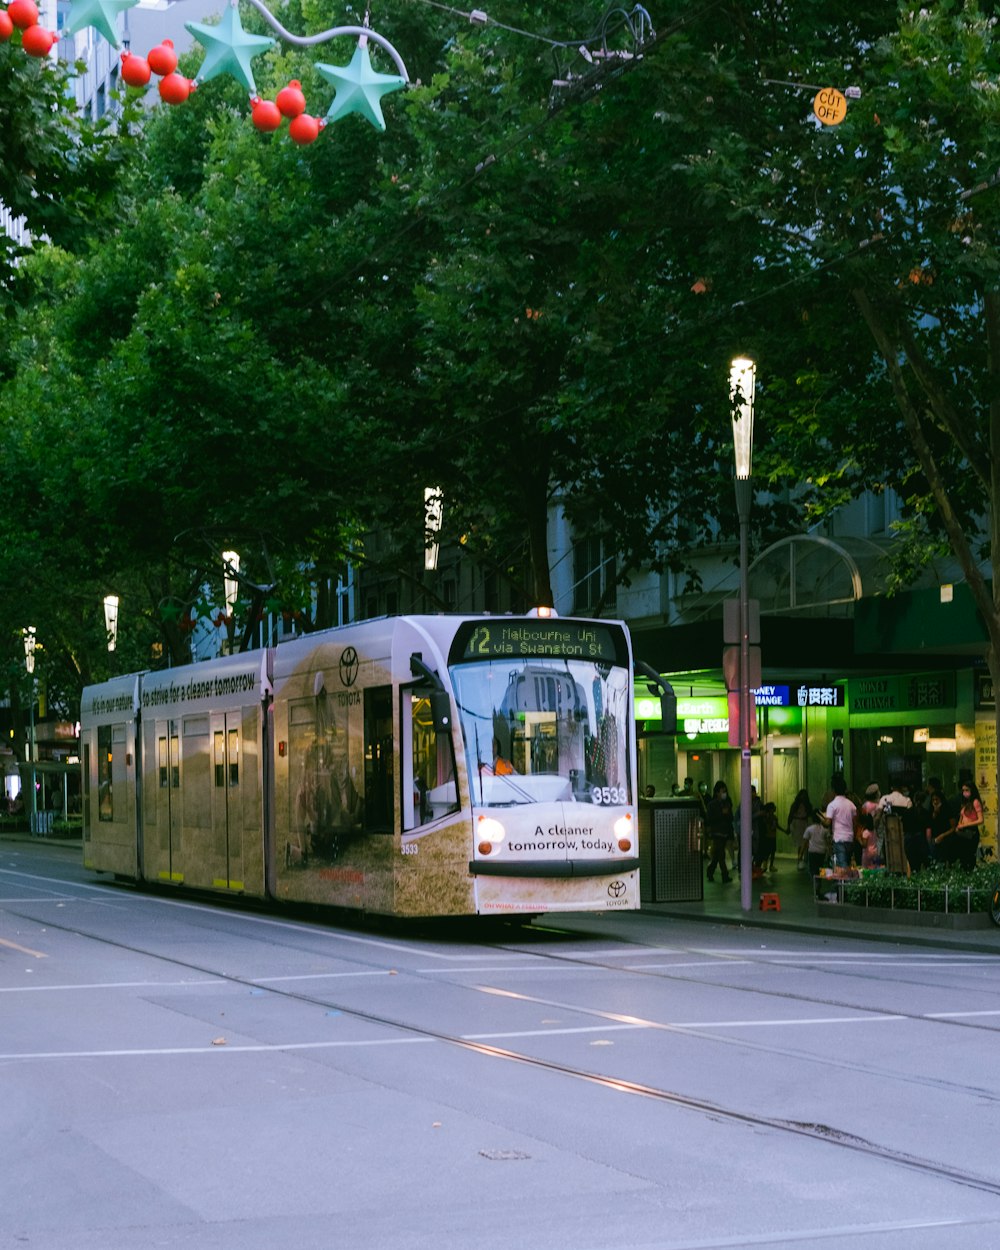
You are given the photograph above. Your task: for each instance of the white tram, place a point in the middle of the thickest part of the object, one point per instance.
(410, 766)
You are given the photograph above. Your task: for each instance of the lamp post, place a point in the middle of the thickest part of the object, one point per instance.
(29, 664)
(111, 620)
(231, 585)
(742, 377)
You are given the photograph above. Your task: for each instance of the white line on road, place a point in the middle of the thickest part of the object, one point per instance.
(808, 1236)
(211, 1049)
(111, 985)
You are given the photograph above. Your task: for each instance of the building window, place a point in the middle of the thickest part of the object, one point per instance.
(594, 583)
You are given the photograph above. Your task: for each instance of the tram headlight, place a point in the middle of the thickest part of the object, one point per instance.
(491, 833)
(623, 831)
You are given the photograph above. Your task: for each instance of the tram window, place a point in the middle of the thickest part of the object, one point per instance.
(325, 805)
(378, 759)
(219, 746)
(161, 760)
(175, 759)
(234, 757)
(105, 789)
(434, 791)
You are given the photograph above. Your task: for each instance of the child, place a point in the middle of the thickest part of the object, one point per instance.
(815, 844)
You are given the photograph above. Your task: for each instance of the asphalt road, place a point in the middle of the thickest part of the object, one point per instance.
(176, 1074)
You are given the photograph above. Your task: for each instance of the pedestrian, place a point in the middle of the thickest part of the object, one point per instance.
(816, 846)
(800, 814)
(871, 850)
(840, 817)
(769, 834)
(756, 832)
(969, 826)
(719, 830)
(871, 827)
(941, 831)
(916, 844)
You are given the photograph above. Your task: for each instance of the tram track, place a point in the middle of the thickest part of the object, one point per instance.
(815, 1131)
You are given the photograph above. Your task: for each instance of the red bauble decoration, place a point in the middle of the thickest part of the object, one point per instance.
(6, 26)
(163, 59)
(37, 41)
(291, 101)
(304, 129)
(23, 13)
(266, 115)
(175, 88)
(135, 70)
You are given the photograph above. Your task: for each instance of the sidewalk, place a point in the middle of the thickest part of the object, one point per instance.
(802, 914)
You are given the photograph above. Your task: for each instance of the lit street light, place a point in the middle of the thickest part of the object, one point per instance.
(111, 620)
(29, 664)
(742, 377)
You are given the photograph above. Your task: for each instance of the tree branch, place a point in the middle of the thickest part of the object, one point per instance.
(890, 352)
(951, 421)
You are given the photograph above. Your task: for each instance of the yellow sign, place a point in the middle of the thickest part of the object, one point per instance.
(830, 106)
(986, 778)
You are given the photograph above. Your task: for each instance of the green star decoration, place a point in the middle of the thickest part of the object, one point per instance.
(228, 48)
(101, 14)
(359, 88)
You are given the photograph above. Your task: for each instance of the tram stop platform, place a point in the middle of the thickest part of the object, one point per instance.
(801, 912)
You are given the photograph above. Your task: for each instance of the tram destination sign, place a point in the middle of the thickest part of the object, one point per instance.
(499, 639)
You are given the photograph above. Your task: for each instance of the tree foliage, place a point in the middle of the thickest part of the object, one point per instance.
(521, 293)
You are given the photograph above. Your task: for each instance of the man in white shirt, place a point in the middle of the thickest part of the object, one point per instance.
(840, 816)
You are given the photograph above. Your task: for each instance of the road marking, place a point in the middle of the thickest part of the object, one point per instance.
(211, 1049)
(721, 964)
(25, 950)
(333, 976)
(957, 1015)
(589, 1028)
(962, 962)
(111, 985)
(684, 1025)
(807, 1236)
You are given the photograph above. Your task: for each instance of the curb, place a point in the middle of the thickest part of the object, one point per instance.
(856, 930)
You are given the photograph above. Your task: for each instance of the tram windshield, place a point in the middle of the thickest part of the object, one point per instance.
(541, 730)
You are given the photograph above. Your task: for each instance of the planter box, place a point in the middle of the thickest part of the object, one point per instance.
(900, 916)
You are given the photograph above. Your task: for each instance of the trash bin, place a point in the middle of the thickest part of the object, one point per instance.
(670, 851)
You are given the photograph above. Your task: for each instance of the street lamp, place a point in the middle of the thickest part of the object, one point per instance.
(230, 579)
(111, 620)
(29, 664)
(742, 377)
(231, 585)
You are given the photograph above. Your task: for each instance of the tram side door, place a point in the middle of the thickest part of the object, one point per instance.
(227, 796)
(161, 798)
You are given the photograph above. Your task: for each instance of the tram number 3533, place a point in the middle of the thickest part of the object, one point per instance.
(609, 794)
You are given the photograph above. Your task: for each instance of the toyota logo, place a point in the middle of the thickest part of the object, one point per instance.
(348, 666)
(617, 888)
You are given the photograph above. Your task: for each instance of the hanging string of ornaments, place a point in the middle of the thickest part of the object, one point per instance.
(229, 49)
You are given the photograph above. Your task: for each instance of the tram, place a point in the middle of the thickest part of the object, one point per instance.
(408, 766)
